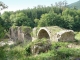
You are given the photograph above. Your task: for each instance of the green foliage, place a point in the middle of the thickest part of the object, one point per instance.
(68, 18)
(6, 20)
(36, 22)
(27, 17)
(26, 29)
(43, 40)
(51, 15)
(43, 56)
(71, 19)
(58, 44)
(1, 21)
(59, 51)
(28, 49)
(17, 52)
(67, 52)
(2, 32)
(2, 53)
(3, 6)
(77, 36)
(50, 19)
(21, 19)
(2, 28)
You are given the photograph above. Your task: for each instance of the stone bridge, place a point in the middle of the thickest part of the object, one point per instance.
(53, 33)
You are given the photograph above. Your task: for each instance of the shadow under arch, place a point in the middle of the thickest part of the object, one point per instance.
(43, 33)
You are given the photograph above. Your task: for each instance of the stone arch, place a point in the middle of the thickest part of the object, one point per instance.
(43, 33)
(66, 35)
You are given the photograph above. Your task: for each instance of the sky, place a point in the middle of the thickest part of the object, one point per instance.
(14, 5)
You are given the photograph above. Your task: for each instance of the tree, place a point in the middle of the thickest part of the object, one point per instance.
(61, 4)
(50, 19)
(2, 6)
(2, 32)
(71, 18)
(20, 19)
(76, 25)
(2, 28)
(68, 21)
(6, 18)
(36, 22)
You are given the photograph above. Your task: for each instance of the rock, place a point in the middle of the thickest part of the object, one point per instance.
(19, 34)
(2, 43)
(10, 43)
(40, 47)
(65, 35)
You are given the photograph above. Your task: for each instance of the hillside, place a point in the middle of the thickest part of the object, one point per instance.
(75, 4)
(57, 50)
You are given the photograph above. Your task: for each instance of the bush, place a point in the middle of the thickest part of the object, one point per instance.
(58, 51)
(77, 36)
(28, 49)
(67, 53)
(2, 32)
(2, 53)
(16, 53)
(56, 45)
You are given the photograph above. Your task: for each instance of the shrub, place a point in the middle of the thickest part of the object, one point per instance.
(56, 45)
(28, 49)
(77, 36)
(2, 53)
(16, 53)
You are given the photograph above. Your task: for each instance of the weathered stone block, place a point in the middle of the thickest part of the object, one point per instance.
(19, 34)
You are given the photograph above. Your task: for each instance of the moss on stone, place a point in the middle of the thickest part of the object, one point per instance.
(26, 29)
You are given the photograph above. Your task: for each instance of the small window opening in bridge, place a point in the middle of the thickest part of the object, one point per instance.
(43, 34)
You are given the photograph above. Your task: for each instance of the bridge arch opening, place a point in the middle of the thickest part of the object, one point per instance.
(43, 34)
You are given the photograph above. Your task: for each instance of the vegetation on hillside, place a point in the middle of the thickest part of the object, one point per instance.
(52, 15)
(57, 51)
(75, 5)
